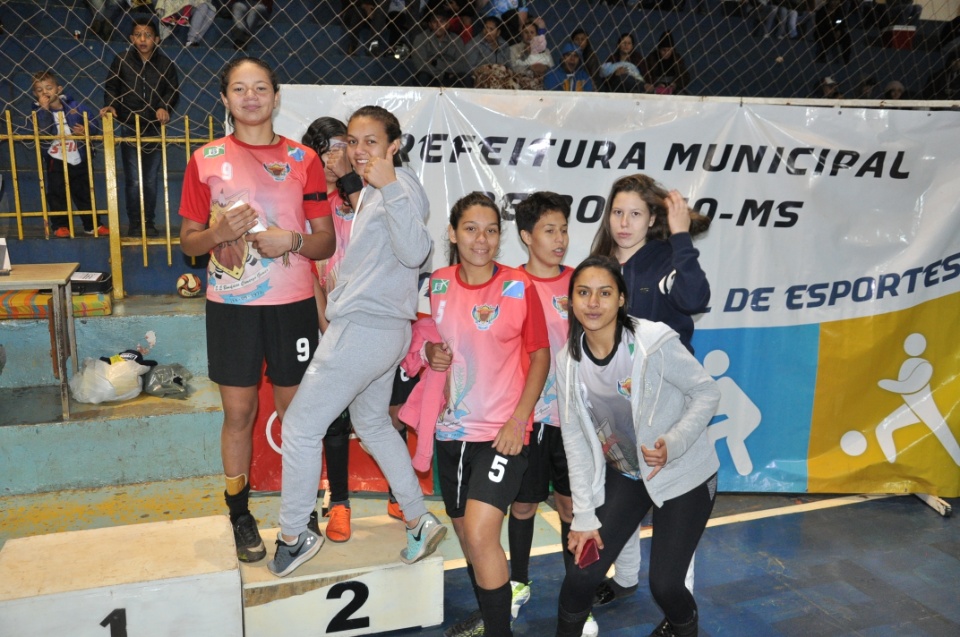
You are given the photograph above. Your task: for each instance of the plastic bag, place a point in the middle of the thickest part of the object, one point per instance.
(167, 381)
(99, 381)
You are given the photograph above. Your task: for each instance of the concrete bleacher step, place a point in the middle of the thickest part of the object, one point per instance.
(356, 588)
(150, 580)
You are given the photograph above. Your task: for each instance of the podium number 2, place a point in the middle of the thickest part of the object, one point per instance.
(117, 621)
(342, 620)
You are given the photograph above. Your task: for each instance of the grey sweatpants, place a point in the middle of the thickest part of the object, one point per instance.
(353, 367)
(627, 566)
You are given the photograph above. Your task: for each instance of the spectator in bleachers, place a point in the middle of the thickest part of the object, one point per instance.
(401, 16)
(490, 48)
(666, 70)
(763, 14)
(172, 13)
(204, 11)
(827, 89)
(366, 26)
(790, 14)
(569, 75)
(944, 83)
(865, 88)
(530, 56)
(106, 13)
(248, 16)
(591, 63)
(624, 70)
(895, 90)
(462, 20)
(831, 31)
(440, 57)
(58, 113)
(143, 83)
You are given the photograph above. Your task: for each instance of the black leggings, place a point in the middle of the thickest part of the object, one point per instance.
(677, 527)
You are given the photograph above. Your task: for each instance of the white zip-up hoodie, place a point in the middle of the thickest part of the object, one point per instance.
(672, 397)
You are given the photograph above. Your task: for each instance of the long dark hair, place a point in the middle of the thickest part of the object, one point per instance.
(624, 320)
(456, 214)
(391, 125)
(652, 194)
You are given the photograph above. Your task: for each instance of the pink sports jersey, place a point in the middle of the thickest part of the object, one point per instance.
(553, 297)
(491, 330)
(342, 221)
(274, 180)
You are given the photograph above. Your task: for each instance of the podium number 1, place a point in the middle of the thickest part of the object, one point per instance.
(117, 621)
(342, 620)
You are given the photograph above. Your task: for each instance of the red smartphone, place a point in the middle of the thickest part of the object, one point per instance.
(588, 554)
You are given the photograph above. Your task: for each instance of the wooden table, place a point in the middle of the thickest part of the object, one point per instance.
(56, 278)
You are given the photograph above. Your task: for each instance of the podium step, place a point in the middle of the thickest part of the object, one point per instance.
(359, 587)
(150, 580)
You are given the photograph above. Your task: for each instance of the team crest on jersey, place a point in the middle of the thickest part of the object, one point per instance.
(439, 286)
(214, 151)
(484, 315)
(278, 170)
(296, 153)
(623, 387)
(512, 289)
(561, 304)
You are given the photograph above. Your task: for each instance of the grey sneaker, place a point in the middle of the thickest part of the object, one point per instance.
(472, 626)
(289, 557)
(424, 539)
(250, 547)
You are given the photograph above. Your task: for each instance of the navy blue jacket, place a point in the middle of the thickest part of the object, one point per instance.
(73, 113)
(665, 283)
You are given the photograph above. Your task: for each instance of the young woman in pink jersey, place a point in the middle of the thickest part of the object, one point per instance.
(496, 354)
(247, 200)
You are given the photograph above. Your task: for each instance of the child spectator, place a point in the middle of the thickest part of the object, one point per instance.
(143, 83)
(666, 70)
(439, 56)
(59, 114)
(569, 74)
(591, 63)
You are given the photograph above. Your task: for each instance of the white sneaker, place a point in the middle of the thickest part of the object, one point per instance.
(590, 629)
(519, 595)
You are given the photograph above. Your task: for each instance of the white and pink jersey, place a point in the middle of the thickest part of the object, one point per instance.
(284, 183)
(342, 222)
(553, 295)
(491, 329)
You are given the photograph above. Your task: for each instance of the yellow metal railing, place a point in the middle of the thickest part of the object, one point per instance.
(112, 211)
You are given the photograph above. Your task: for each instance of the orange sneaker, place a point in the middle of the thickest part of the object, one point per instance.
(338, 527)
(393, 510)
(63, 233)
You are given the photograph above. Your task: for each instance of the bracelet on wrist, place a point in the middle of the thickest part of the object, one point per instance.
(296, 242)
(350, 183)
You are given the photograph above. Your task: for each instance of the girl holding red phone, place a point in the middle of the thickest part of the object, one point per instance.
(635, 405)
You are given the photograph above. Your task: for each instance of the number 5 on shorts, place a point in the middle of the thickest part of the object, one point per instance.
(497, 468)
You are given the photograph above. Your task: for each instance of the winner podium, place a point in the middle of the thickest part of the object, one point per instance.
(182, 578)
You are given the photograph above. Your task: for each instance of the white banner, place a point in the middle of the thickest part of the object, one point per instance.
(821, 216)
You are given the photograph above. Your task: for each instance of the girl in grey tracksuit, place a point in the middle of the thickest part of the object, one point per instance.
(634, 407)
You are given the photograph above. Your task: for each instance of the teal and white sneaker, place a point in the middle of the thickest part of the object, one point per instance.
(520, 595)
(472, 626)
(423, 539)
(290, 556)
(590, 629)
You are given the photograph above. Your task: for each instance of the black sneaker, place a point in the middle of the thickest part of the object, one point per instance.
(151, 229)
(472, 626)
(250, 547)
(314, 523)
(134, 231)
(609, 591)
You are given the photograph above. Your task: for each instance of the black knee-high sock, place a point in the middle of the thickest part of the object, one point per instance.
(570, 624)
(473, 582)
(403, 434)
(520, 536)
(336, 453)
(564, 536)
(495, 608)
(239, 504)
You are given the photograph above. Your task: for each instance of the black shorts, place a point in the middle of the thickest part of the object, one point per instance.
(402, 386)
(476, 471)
(547, 463)
(241, 337)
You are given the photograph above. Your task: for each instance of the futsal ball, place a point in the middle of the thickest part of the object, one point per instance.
(188, 285)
